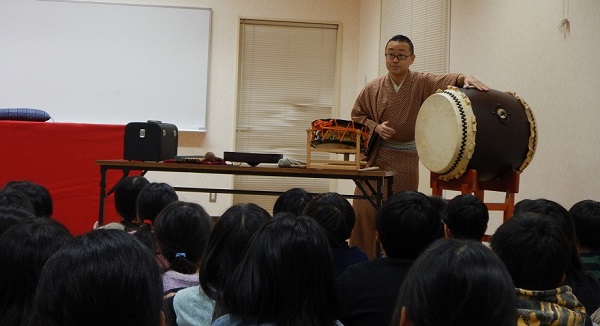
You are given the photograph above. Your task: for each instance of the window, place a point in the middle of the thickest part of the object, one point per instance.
(425, 22)
(286, 81)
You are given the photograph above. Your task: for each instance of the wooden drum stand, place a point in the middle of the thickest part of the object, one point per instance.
(468, 184)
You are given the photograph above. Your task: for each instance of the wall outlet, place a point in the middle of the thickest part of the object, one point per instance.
(212, 197)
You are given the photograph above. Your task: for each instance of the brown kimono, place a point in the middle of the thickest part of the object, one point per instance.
(379, 102)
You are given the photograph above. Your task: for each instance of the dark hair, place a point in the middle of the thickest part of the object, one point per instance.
(440, 203)
(105, 277)
(467, 217)
(534, 249)
(24, 249)
(10, 216)
(153, 198)
(335, 214)
(457, 283)
(551, 209)
(286, 276)
(293, 201)
(182, 230)
(226, 245)
(586, 218)
(38, 196)
(283, 214)
(15, 198)
(402, 39)
(407, 223)
(562, 217)
(126, 193)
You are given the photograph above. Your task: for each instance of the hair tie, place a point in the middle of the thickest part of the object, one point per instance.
(180, 254)
(149, 222)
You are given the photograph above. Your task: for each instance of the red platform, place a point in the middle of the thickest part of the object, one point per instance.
(62, 157)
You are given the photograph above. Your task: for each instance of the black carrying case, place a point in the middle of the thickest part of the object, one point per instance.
(150, 141)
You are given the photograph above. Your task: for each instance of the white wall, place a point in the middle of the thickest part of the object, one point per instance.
(516, 46)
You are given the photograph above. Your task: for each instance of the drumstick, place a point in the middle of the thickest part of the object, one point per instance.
(371, 168)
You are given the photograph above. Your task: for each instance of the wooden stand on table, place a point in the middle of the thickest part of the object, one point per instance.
(345, 164)
(468, 183)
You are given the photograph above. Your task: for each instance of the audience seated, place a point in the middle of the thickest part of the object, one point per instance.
(292, 201)
(24, 249)
(38, 196)
(181, 231)
(586, 218)
(465, 217)
(336, 215)
(456, 283)
(536, 253)
(125, 194)
(584, 285)
(406, 224)
(105, 277)
(226, 245)
(286, 277)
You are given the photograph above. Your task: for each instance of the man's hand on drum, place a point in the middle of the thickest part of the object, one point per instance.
(385, 131)
(471, 81)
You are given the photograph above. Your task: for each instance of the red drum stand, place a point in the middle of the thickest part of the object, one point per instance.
(467, 183)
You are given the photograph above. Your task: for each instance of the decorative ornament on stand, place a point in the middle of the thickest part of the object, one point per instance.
(565, 25)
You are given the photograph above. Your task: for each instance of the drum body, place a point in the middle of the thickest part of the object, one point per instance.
(491, 132)
(338, 133)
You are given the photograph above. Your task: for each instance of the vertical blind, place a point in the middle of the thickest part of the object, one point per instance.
(286, 81)
(426, 23)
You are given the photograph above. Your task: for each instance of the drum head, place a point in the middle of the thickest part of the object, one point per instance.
(445, 133)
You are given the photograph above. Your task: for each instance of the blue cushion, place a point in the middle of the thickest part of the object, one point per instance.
(24, 114)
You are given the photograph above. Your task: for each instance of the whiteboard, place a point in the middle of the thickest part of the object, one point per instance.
(92, 62)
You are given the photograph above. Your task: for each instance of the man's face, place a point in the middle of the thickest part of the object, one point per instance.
(398, 57)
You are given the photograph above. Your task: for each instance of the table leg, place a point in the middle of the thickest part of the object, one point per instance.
(102, 195)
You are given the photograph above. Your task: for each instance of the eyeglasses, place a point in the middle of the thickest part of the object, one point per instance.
(391, 56)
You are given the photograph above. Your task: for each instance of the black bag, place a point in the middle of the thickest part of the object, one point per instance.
(150, 141)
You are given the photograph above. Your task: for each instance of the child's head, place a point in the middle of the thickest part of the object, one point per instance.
(153, 198)
(406, 224)
(457, 283)
(292, 201)
(335, 214)
(10, 216)
(182, 230)
(534, 249)
(15, 198)
(466, 217)
(126, 193)
(586, 217)
(561, 216)
(227, 243)
(105, 277)
(286, 275)
(38, 196)
(24, 249)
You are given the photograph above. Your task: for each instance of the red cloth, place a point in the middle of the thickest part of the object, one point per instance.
(62, 157)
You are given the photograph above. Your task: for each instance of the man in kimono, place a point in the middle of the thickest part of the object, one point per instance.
(388, 106)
